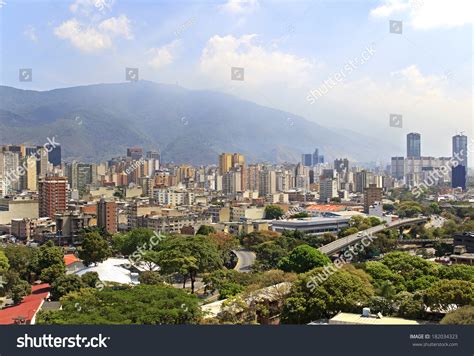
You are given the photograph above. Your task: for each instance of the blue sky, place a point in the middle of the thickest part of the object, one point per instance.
(289, 49)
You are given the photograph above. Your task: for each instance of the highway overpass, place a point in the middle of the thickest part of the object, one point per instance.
(344, 242)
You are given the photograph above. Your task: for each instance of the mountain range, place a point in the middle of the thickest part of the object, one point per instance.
(97, 122)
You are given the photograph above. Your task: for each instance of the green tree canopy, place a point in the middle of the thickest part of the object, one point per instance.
(94, 249)
(23, 259)
(273, 212)
(128, 243)
(302, 259)
(66, 284)
(445, 294)
(4, 264)
(50, 262)
(143, 304)
(341, 291)
(188, 256)
(460, 316)
(205, 230)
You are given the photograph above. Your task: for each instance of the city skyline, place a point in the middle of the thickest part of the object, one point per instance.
(85, 42)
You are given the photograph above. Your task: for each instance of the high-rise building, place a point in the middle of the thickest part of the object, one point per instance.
(307, 159)
(413, 145)
(54, 156)
(362, 180)
(135, 153)
(459, 173)
(107, 215)
(42, 159)
(372, 194)
(52, 196)
(398, 167)
(84, 176)
(225, 163)
(267, 183)
(341, 165)
(9, 175)
(328, 189)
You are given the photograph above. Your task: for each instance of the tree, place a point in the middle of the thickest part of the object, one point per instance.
(458, 271)
(90, 279)
(258, 237)
(143, 304)
(4, 264)
(409, 267)
(66, 284)
(348, 231)
(229, 289)
(15, 287)
(150, 277)
(188, 256)
(273, 212)
(341, 291)
(128, 243)
(409, 209)
(19, 291)
(302, 259)
(269, 255)
(205, 230)
(23, 260)
(225, 244)
(94, 249)
(460, 316)
(381, 274)
(50, 263)
(445, 294)
(410, 305)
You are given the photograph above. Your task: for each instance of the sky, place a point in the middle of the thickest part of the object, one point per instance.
(342, 64)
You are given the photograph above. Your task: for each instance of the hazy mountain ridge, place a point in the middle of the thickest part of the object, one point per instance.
(98, 122)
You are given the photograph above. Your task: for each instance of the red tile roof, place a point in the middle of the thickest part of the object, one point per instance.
(28, 307)
(70, 259)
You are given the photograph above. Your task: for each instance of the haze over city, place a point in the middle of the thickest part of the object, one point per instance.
(288, 50)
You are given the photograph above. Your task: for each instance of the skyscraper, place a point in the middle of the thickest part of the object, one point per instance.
(54, 156)
(225, 163)
(459, 173)
(413, 145)
(52, 196)
(307, 159)
(341, 165)
(135, 153)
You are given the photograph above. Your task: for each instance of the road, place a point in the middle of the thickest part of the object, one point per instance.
(245, 260)
(343, 242)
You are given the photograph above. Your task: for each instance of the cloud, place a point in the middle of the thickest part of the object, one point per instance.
(30, 33)
(428, 14)
(240, 6)
(262, 66)
(117, 26)
(164, 55)
(94, 38)
(86, 7)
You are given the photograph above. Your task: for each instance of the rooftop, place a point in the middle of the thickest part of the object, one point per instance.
(350, 318)
(28, 308)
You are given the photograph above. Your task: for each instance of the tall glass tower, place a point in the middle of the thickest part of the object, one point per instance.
(413, 145)
(459, 173)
